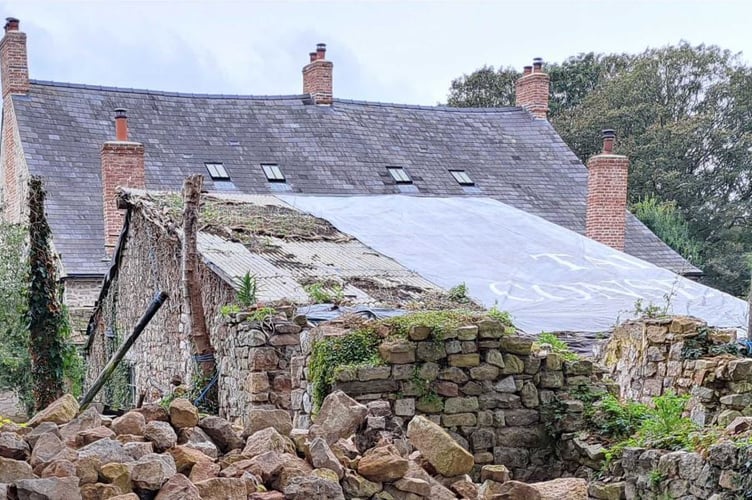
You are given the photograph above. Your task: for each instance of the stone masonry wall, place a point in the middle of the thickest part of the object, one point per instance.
(255, 361)
(487, 389)
(151, 262)
(648, 357)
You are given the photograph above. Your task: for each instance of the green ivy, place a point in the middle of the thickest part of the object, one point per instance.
(330, 354)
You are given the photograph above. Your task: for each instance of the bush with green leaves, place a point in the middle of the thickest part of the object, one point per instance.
(320, 293)
(558, 346)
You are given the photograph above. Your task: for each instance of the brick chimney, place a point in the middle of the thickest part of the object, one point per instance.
(317, 76)
(607, 195)
(14, 66)
(531, 90)
(122, 165)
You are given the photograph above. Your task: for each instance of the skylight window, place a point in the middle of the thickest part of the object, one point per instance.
(273, 172)
(462, 178)
(217, 171)
(399, 175)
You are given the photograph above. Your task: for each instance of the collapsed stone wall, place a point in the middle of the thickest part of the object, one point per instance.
(648, 357)
(499, 400)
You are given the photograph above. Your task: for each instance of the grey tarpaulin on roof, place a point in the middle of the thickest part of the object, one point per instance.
(547, 277)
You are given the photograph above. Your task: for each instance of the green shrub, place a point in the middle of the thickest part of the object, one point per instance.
(439, 322)
(557, 345)
(247, 290)
(331, 354)
(319, 293)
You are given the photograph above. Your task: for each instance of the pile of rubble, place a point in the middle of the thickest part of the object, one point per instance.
(152, 452)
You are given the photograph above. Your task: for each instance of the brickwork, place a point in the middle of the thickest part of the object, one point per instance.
(317, 77)
(14, 169)
(531, 91)
(122, 165)
(607, 199)
(14, 67)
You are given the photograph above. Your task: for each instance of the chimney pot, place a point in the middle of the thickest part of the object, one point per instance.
(320, 50)
(317, 77)
(312, 55)
(532, 89)
(609, 136)
(11, 24)
(121, 124)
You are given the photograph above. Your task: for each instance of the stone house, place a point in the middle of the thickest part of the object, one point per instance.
(283, 248)
(312, 143)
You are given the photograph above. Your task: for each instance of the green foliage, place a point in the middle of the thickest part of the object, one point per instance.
(655, 477)
(262, 313)
(117, 391)
(15, 363)
(320, 293)
(665, 220)
(699, 346)
(458, 294)
(247, 290)
(552, 413)
(557, 345)
(662, 427)
(485, 87)
(331, 354)
(74, 367)
(614, 419)
(228, 310)
(439, 322)
(44, 314)
(501, 316)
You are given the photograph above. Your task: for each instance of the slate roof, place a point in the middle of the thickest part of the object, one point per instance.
(342, 149)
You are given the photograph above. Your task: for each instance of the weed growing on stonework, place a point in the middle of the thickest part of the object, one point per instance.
(332, 354)
(558, 346)
(439, 322)
(458, 293)
(502, 317)
(247, 290)
(262, 313)
(655, 477)
(228, 310)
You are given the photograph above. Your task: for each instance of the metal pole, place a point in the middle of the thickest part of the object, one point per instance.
(154, 306)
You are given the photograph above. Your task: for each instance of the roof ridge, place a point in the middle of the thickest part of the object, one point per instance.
(49, 83)
(280, 97)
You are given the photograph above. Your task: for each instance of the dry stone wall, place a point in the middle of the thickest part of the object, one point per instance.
(649, 357)
(487, 389)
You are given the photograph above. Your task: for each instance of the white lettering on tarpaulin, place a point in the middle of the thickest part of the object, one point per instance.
(609, 290)
(587, 262)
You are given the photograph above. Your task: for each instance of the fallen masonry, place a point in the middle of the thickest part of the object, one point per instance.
(153, 452)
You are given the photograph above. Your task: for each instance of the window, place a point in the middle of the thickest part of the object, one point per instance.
(272, 172)
(462, 178)
(217, 171)
(399, 175)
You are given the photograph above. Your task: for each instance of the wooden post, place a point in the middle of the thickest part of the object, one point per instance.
(104, 375)
(195, 324)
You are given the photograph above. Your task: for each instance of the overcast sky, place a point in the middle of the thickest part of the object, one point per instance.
(404, 52)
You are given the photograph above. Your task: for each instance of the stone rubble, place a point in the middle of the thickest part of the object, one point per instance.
(71, 456)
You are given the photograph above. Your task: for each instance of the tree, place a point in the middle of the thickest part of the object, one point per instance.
(45, 314)
(484, 88)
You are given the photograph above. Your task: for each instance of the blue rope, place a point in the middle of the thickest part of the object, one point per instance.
(200, 358)
(748, 345)
(202, 396)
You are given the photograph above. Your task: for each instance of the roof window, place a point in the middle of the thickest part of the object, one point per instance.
(399, 175)
(273, 172)
(217, 171)
(462, 178)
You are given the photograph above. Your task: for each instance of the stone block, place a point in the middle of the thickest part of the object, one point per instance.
(453, 347)
(418, 332)
(469, 347)
(529, 395)
(430, 351)
(397, 352)
(428, 371)
(446, 388)
(472, 388)
(464, 360)
(369, 387)
(469, 332)
(532, 365)
(483, 439)
(512, 365)
(454, 374)
(404, 407)
(262, 359)
(506, 384)
(579, 367)
(494, 357)
(484, 372)
(490, 329)
(511, 457)
(257, 382)
(516, 345)
(429, 405)
(521, 417)
(485, 418)
(403, 372)
(461, 405)
(551, 380)
(459, 419)
(366, 373)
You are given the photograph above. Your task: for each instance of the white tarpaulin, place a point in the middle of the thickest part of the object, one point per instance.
(548, 277)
